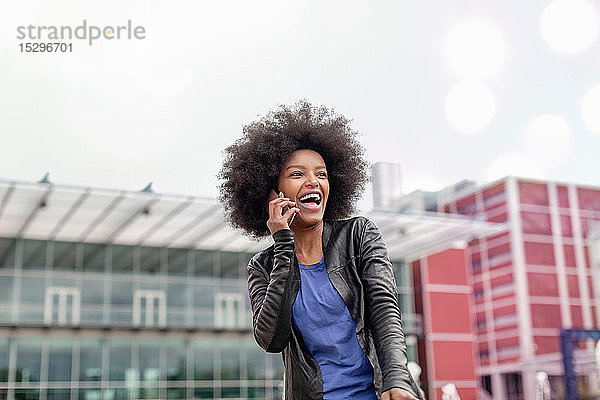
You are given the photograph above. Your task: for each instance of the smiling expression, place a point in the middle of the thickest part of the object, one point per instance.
(304, 180)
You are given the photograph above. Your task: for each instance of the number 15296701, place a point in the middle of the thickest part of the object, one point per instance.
(55, 47)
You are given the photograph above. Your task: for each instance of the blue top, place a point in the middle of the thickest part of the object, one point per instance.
(320, 315)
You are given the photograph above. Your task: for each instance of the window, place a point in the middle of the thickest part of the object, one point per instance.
(229, 311)
(501, 217)
(90, 360)
(569, 252)
(228, 392)
(230, 265)
(121, 292)
(247, 257)
(539, 253)
(405, 302)
(230, 360)
(149, 392)
(204, 393)
(541, 284)
(122, 259)
(7, 252)
(483, 354)
(6, 289)
(502, 288)
(4, 352)
(513, 386)
(58, 394)
(486, 383)
(27, 394)
(466, 206)
(277, 368)
(256, 392)
(203, 360)
(401, 274)
(478, 294)
(177, 261)
(505, 320)
(35, 290)
(92, 300)
(412, 350)
(176, 361)
(563, 196)
(93, 291)
(533, 193)
(150, 307)
(493, 200)
(536, 223)
(61, 305)
(150, 260)
(93, 257)
(481, 323)
(177, 393)
(29, 357)
(34, 254)
(203, 263)
(60, 355)
(64, 255)
(120, 360)
(149, 365)
(93, 394)
(204, 298)
(566, 226)
(498, 255)
(508, 351)
(178, 294)
(589, 199)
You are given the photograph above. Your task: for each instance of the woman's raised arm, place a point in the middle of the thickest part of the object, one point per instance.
(271, 294)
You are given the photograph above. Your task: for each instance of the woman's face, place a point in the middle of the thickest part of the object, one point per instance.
(304, 180)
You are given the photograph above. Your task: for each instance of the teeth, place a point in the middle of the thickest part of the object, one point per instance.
(310, 195)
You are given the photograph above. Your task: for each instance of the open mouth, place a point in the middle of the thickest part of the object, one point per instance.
(310, 199)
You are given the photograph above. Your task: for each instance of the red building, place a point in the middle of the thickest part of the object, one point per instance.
(446, 348)
(540, 275)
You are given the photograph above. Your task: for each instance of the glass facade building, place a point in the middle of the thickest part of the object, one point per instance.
(102, 321)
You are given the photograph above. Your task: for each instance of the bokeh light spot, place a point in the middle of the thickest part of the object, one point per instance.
(570, 26)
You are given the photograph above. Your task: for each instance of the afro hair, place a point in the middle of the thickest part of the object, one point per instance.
(252, 164)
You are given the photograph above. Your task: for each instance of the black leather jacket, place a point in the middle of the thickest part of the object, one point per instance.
(359, 268)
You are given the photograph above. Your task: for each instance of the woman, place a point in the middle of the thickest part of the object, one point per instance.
(324, 294)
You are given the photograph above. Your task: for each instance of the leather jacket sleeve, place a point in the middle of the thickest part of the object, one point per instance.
(383, 313)
(270, 294)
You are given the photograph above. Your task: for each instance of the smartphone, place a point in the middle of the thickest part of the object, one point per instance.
(273, 195)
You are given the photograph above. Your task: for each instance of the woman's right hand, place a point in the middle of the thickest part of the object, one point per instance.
(278, 219)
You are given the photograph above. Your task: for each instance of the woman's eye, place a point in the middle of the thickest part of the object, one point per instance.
(323, 174)
(297, 173)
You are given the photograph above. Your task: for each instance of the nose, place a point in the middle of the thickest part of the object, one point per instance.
(311, 181)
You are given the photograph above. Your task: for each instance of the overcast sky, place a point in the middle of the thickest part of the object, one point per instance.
(423, 87)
